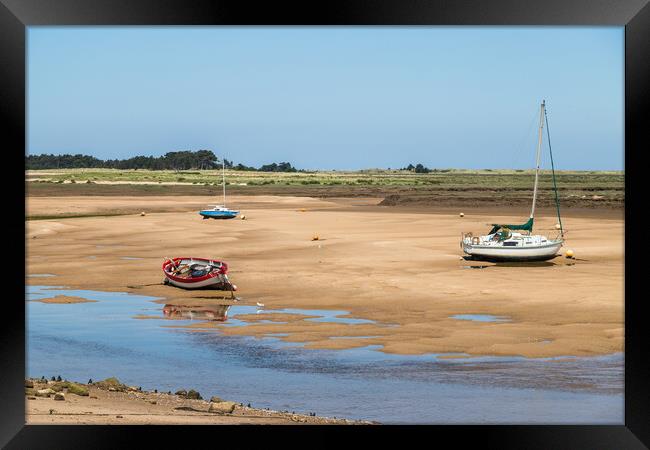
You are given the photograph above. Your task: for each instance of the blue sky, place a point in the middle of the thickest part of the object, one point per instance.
(330, 97)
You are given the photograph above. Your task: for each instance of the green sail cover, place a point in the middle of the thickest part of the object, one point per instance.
(528, 226)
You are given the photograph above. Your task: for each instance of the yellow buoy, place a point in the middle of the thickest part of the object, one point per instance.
(569, 254)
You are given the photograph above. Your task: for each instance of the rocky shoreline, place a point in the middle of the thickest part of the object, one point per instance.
(60, 401)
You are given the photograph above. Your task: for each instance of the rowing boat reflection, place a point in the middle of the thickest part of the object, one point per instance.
(213, 312)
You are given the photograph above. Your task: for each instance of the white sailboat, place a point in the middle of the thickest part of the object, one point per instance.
(220, 211)
(516, 242)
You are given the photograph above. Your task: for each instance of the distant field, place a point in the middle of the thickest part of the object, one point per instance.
(443, 187)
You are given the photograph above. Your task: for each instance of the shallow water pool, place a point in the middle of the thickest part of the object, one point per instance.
(102, 339)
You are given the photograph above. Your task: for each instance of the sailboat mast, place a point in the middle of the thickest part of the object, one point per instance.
(539, 148)
(223, 180)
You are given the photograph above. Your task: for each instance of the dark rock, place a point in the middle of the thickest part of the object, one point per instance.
(181, 392)
(215, 399)
(194, 395)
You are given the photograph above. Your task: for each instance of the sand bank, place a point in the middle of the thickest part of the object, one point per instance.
(65, 299)
(136, 407)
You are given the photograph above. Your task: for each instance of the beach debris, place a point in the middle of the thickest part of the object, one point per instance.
(52, 411)
(222, 407)
(462, 214)
(558, 226)
(315, 237)
(243, 217)
(143, 213)
(569, 254)
(59, 396)
(261, 305)
(597, 197)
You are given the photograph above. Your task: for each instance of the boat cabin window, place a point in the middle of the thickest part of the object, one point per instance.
(510, 244)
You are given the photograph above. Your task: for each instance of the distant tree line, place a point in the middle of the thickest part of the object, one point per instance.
(418, 168)
(180, 160)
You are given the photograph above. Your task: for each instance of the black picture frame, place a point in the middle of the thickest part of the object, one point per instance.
(16, 15)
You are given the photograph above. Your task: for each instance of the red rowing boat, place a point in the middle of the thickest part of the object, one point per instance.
(197, 273)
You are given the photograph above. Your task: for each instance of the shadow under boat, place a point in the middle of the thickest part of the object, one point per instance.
(503, 263)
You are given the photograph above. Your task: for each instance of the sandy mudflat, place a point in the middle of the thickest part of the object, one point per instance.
(390, 265)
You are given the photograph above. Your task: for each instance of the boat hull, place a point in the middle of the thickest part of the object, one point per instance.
(204, 284)
(491, 253)
(218, 214)
(216, 279)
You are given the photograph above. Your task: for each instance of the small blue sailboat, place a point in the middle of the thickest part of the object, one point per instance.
(220, 211)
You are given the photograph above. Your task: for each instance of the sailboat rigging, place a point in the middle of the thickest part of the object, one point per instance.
(516, 242)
